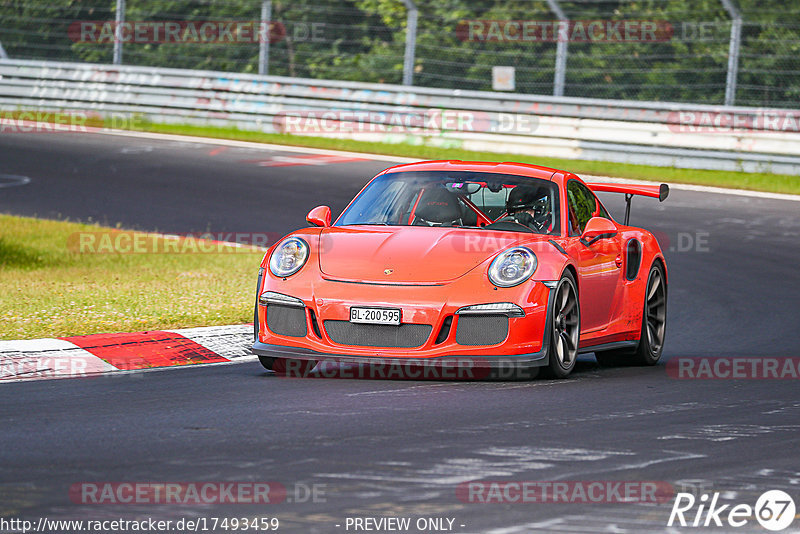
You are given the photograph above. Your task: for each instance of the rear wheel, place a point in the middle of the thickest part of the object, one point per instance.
(565, 328)
(286, 366)
(654, 323)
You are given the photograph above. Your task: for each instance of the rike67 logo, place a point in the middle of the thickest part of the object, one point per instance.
(774, 510)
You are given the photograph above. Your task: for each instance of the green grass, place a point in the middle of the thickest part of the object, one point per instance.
(50, 289)
(775, 183)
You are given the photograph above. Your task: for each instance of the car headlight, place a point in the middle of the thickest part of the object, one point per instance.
(512, 267)
(288, 257)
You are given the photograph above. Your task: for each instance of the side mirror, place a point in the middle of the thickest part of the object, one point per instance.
(598, 228)
(319, 216)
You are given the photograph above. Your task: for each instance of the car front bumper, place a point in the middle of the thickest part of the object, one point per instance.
(515, 361)
(524, 346)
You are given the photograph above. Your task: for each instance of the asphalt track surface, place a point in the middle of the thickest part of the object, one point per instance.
(395, 447)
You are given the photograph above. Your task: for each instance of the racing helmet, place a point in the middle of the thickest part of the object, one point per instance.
(527, 197)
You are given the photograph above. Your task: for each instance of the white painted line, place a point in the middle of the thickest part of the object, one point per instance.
(258, 146)
(398, 160)
(698, 188)
(13, 180)
(232, 342)
(50, 358)
(45, 359)
(28, 345)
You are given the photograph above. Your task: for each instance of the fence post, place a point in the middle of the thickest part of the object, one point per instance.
(264, 37)
(3, 54)
(411, 43)
(561, 48)
(733, 51)
(120, 19)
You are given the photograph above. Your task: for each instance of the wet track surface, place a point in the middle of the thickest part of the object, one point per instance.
(401, 448)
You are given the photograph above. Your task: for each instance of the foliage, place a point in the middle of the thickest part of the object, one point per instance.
(364, 40)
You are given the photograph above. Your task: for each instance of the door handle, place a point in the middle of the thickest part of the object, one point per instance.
(618, 261)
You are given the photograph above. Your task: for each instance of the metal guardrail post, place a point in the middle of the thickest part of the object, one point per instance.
(263, 41)
(120, 19)
(733, 51)
(3, 54)
(561, 49)
(411, 43)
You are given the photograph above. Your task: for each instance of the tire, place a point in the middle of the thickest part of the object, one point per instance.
(287, 367)
(282, 366)
(565, 328)
(654, 322)
(267, 361)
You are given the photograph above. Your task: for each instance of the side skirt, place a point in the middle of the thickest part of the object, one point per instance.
(610, 346)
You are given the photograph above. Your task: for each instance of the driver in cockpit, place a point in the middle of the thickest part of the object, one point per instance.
(530, 206)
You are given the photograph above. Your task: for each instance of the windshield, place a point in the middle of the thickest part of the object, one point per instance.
(457, 199)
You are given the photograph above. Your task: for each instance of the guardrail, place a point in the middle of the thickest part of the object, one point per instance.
(653, 133)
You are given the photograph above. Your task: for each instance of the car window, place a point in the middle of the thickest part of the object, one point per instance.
(451, 199)
(602, 211)
(492, 203)
(392, 204)
(582, 206)
(388, 201)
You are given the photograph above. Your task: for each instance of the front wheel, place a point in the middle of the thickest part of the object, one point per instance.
(565, 328)
(286, 366)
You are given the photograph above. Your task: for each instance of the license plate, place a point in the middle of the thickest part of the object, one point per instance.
(375, 315)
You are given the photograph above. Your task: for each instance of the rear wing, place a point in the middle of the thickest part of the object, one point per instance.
(661, 192)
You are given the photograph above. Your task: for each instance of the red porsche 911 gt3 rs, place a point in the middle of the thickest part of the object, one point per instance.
(499, 264)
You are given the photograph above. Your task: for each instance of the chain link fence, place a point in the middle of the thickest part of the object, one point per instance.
(648, 50)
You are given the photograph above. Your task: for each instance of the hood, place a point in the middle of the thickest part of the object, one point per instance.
(413, 254)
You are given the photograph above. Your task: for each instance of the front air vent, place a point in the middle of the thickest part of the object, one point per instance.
(475, 330)
(314, 323)
(405, 335)
(286, 320)
(444, 331)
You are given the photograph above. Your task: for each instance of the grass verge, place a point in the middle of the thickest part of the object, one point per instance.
(51, 289)
(774, 183)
